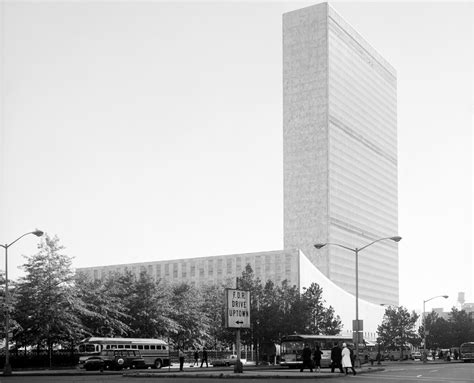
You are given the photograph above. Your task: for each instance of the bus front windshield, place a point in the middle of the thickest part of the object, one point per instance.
(289, 347)
(87, 348)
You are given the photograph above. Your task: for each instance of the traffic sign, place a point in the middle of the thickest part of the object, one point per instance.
(237, 308)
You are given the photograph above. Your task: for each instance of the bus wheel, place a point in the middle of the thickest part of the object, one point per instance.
(158, 364)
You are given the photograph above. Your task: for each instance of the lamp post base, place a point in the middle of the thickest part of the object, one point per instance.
(7, 370)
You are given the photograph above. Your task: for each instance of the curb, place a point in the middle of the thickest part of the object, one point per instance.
(245, 375)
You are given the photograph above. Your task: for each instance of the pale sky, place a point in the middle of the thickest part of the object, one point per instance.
(145, 131)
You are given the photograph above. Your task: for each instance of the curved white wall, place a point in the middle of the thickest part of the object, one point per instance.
(342, 301)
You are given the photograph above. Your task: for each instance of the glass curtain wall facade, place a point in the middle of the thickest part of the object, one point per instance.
(340, 151)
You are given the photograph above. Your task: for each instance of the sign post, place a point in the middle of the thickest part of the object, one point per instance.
(237, 316)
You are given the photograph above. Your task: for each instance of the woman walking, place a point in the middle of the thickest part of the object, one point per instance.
(346, 359)
(317, 359)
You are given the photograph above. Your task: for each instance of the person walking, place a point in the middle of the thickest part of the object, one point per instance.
(346, 359)
(306, 358)
(196, 357)
(204, 357)
(317, 359)
(181, 356)
(336, 358)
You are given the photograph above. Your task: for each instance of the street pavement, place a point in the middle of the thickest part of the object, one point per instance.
(249, 372)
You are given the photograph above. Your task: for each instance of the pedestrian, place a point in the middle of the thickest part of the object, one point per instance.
(440, 355)
(346, 359)
(378, 358)
(456, 354)
(317, 359)
(336, 358)
(181, 356)
(204, 357)
(433, 354)
(306, 355)
(196, 357)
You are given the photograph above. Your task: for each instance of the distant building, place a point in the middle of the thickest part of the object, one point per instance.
(222, 269)
(468, 307)
(441, 313)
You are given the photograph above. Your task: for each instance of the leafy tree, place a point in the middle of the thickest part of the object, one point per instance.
(288, 300)
(192, 325)
(318, 318)
(150, 308)
(47, 303)
(213, 306)
(106, 313)
(442, 333)
(398, 328)
(461, 327)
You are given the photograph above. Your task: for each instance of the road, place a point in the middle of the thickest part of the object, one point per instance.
(433, 373)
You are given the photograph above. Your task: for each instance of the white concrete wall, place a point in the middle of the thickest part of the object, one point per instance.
(342, 301)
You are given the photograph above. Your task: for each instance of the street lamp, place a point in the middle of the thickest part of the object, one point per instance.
(7, 370)
(425, 357)
(356, 251)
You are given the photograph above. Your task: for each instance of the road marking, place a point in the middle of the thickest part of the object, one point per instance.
(413, 378)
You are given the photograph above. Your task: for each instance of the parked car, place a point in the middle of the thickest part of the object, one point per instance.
(112, 360)
(228, 361)
(416, 355)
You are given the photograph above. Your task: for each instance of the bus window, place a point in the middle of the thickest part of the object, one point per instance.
(140, 347)
(127, 346)
(152, 347)
(134, 346)
(147, 347)
(87, 348)
(158, 347)
(120, 346)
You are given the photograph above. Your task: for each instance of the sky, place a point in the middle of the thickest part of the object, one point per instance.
(145, 131)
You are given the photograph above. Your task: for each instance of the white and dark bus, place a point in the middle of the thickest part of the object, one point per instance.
(466, 352)
(292, 347)
(154, 351)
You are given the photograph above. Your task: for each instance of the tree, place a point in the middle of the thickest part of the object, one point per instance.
(398, 328)
(106, 313)
(319, 319)
(150, 308)
(213, 307)
(192, 324)
(447, 333)
(461, 326)
(47, 303)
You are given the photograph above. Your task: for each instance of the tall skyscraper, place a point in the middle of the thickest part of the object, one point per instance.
(340, 151)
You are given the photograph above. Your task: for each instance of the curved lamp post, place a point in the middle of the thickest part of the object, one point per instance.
(425, 357)
(356, 251)
(7, 370)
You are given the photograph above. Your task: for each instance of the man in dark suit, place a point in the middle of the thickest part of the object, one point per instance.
(307, 363)
(336, 358)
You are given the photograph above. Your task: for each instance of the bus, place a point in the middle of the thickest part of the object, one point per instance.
(466, 352)
(292, 347)
(155, 351)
